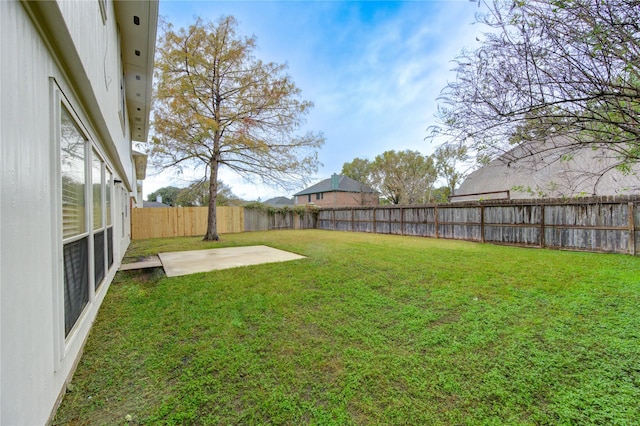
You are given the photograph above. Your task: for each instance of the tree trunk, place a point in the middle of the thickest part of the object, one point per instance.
(212, 225)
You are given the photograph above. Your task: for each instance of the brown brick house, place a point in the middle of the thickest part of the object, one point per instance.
(338, 191)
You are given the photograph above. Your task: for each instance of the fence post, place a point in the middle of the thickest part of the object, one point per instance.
(543, 242)
(632, 228)
(435, 218)
(353, 227)
(482, 223)
(401, 221)
(334, 218)
(374, 221)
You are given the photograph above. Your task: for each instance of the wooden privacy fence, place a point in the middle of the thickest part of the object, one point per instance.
(602, 224)
(192, 221)
(183, 221)
(261, 220)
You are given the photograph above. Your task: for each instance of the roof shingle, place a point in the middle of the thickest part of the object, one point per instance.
(337, 183)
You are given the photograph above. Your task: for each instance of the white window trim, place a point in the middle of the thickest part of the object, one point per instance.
(56, 225)
(63, 343)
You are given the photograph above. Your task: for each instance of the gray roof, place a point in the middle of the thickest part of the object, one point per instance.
(279, 201)
(337, 183)
(147, 204)
(561, 171)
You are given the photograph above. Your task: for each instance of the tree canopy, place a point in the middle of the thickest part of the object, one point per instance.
(401, 177)
(169, 194)
(217, 105)
(552, 75)
(451, 162)
(197, 194)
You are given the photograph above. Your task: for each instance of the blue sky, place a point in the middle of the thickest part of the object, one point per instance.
(373, 69)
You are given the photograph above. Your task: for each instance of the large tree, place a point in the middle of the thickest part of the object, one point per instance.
(359, 170)
(167, 193)
(217, 105)
(403, 177)
(451, 162)
(550, 75)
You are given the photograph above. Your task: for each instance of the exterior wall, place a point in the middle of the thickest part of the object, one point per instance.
(543, 172)
(100, 56)
(36, 359)
(342, 199)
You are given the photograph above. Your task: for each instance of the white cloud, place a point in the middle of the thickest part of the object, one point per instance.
(372, 69)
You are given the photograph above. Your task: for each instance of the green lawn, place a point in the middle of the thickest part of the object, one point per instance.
(369, 329)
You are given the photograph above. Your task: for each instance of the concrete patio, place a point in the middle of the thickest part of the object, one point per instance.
(189, 262)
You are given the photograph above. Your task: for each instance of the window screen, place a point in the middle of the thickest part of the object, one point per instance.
(98, 253)
(76, 281)
(110, 246)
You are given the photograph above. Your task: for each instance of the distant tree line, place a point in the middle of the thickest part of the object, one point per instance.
(195, 195)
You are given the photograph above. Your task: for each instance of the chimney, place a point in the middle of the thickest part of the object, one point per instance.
(159, 198)
(335, 181)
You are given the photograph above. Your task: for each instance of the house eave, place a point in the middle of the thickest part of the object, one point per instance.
(140, 164)
(137, 21)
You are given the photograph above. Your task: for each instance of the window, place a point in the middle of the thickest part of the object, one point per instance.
(99, 258)
(109, 216)
(125, 201)
(73, 177)
(100, 213)
(319, 196)
(309, 198)
(97, 183)
(87, 217)
(75, 236)
(107, 193)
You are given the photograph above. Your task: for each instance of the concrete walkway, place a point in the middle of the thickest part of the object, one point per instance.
(190, 262)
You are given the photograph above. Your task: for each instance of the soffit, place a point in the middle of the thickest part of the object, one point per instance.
(140, 163)
(138, 21)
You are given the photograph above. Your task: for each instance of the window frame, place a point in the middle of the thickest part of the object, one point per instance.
(61, 102)
(104, 227)
(65, 331)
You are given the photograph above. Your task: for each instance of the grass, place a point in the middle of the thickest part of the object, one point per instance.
(368, 329)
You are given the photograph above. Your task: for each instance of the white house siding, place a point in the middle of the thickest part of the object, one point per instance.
(101, 62)
(37, 75)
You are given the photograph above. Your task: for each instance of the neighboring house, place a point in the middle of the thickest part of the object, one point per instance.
(338, 191)
(153, 204)
(548, 171)
(75, 80)
(279, 202)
